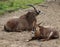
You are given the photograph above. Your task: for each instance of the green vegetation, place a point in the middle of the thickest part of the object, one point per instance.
(11, 5)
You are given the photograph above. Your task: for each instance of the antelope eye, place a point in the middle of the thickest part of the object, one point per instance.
(39, 11)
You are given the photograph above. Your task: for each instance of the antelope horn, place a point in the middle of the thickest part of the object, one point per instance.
(33, 7)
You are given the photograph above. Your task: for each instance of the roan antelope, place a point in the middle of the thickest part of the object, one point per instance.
(25, 22)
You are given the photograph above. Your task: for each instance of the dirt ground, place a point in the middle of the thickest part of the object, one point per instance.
(50, 16)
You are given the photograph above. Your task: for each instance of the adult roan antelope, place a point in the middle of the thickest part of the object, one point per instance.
(24, 22)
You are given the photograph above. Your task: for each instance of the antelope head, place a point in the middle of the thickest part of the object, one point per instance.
(36, 12)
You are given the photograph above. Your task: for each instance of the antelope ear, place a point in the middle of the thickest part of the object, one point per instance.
(39, 23)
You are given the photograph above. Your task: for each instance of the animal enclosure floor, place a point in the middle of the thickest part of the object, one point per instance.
(50, 16)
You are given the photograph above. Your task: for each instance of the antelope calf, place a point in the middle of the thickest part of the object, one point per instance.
(45, 33)
(25, 22)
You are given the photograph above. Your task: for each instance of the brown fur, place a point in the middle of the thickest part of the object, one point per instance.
(45, 33)
(25, 22)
